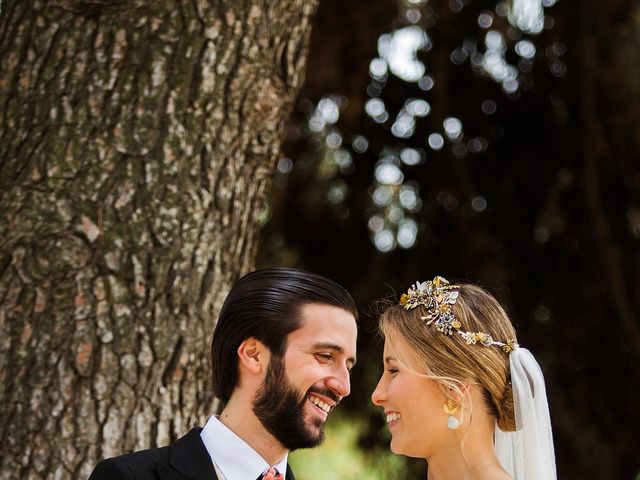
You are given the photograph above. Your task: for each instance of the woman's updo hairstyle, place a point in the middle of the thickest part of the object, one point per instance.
(449, 359)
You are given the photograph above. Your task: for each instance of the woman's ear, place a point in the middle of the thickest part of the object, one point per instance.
(253, 356)
(460, 392)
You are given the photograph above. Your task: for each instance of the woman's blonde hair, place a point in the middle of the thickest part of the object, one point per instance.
(449, 360)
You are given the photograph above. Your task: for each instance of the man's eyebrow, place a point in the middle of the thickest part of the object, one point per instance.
(336, 348)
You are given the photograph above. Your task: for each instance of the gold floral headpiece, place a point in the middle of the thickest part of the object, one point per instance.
(438, 296)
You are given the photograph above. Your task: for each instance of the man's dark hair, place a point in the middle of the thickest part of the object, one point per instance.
(266, 305)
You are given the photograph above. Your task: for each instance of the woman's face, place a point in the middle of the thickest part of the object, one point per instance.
(412, 404)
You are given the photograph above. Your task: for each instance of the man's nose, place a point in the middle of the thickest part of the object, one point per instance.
(340, 383)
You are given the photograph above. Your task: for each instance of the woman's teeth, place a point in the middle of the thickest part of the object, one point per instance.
(392, 416)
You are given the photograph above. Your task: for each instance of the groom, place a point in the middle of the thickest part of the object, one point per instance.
(282, 350)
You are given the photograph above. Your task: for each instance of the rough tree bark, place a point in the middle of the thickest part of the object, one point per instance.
(137, 142)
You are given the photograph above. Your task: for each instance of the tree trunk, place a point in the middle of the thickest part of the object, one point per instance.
(137, 142)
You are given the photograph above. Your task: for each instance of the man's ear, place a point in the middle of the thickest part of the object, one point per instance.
(253, 356)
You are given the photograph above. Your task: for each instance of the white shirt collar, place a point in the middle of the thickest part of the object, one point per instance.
(235, 459)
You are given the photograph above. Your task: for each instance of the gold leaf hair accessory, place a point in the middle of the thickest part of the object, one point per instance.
(438, 296)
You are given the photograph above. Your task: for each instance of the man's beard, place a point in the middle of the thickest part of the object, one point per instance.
(281, 411)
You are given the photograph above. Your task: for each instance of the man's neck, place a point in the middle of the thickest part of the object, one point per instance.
(241, 421)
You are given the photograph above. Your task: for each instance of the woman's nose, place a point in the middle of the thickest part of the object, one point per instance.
(377, 397)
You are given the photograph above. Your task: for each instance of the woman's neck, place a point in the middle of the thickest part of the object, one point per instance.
(458, 467)
(474, 458)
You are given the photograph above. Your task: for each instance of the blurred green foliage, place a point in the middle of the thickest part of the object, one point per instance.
(341, 458)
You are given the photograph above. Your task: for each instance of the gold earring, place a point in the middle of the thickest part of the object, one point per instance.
(450, 407)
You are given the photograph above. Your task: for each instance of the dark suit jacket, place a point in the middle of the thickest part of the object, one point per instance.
(187, 458)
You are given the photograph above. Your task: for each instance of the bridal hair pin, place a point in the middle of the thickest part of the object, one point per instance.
(438, 296)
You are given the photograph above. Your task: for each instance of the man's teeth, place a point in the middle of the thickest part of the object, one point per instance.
(324, 406)
(392, 416)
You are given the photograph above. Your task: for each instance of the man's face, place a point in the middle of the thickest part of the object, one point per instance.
(301, 388)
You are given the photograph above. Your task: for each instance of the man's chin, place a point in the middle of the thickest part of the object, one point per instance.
(312, 438)
(315, 439)
(316, 430)
(315, 427)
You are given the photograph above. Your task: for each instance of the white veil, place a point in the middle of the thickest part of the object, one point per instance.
(527, 453)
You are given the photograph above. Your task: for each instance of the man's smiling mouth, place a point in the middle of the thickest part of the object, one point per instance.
(322, 405)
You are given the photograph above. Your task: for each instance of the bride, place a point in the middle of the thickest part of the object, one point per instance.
(458, 391)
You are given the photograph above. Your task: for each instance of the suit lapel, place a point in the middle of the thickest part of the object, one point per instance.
(188, 459)
(165, 472)
(290, 473)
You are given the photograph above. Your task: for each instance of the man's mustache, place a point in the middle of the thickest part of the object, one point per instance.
(325, 392)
